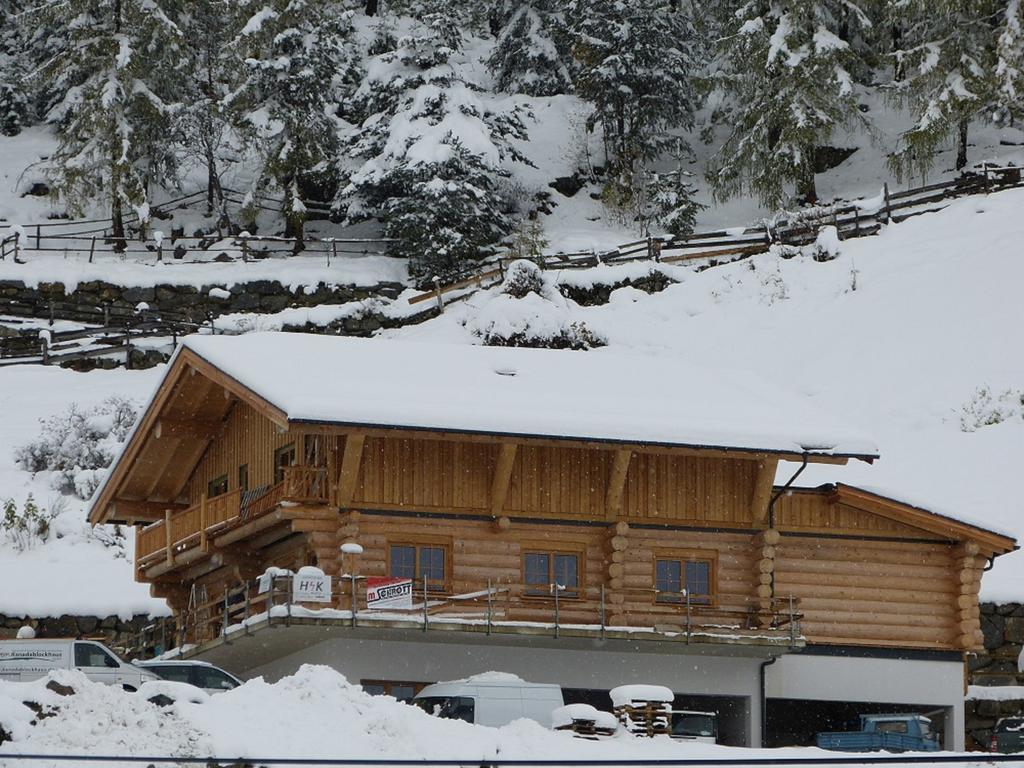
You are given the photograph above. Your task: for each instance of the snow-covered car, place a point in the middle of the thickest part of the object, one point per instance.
(201, 674)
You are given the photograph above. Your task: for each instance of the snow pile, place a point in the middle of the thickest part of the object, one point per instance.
(564, 717)
(995, 693)
(313, 714)
(630, 694)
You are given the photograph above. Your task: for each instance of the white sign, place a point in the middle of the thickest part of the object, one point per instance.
(311, 588)
(388, 593)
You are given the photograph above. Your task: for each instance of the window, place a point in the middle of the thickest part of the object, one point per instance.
(543, 570)
(314, 453)
(217, 486)
(449, 707)
(177, 672)
(243, 478)
(210, 677)
(891, 726)
(401, 690)
(92, 655)
(416, 561)
(283, 457)
(679, 574)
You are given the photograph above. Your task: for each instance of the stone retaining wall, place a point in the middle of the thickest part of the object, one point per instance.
(1003, 627)
(254, 296)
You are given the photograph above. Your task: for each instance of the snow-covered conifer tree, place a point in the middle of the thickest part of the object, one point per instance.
(14, 104)
(120, 81)
(426, 155)
(1010, 63)
(212, 70)
(948, 54)
(298, 66)
(532, 53)
(785, 75)
(635, 66)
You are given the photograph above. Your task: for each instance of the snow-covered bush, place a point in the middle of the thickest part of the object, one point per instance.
(27, 527)
(78, 445)
(529, 311)
(986, 408)
(521, 278)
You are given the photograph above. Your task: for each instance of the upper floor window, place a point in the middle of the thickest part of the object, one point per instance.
(546, 572)
(682, 574)
(283, 457)
(217, 486)
(418, 561)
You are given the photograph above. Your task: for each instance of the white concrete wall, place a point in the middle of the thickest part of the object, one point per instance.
(938, 684)
(373, 659)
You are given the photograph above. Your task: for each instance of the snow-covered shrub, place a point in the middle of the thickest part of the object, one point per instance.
(826, 245)
(521, 278)
(27, 527)
(532, 52)
(986, 408)
(529, 311)
(78, 445)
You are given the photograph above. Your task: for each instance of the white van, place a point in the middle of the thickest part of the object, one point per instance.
(493, 699)
(201, 674)
(25, 660)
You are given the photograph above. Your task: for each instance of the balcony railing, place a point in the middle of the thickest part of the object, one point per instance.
(191, 528)
(505, 609)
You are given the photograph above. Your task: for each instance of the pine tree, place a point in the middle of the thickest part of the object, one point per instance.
(120, 81)
(787, 79)
(531, 55)
(426, 155)
(298, 67)
(1010, 64)
(947, 52)
(635, 63)
(14, 103)
(212, 70)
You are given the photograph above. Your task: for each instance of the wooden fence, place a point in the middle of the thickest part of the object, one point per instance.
(858, 218)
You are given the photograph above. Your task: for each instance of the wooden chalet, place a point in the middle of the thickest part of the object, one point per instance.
(644, 488)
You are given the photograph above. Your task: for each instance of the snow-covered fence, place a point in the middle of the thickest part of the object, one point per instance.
(858, 218)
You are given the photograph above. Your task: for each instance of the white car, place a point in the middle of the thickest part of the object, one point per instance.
(26, 660)
(201, 674)
(493, 699)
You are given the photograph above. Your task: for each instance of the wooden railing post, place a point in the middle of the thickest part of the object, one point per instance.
(167, 536)
(204, 543)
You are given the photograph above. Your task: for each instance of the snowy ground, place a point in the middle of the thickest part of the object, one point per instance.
(79, 571)
(314, 714)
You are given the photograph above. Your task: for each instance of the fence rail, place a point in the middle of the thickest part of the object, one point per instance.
(858, 218)
(764, 758)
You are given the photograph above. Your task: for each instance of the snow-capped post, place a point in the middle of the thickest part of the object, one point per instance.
(555, 589)
(437, 292)
(244, 237)
(352, 548)
(158, 238)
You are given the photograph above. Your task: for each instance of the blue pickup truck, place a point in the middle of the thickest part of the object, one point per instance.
(889, 733)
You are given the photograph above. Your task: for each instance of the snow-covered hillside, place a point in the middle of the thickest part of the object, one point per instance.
(911, 335)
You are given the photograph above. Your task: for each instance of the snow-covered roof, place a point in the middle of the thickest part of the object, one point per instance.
(597, 395)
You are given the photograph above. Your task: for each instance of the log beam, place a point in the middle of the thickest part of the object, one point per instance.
(133, 510)
(617, 483)
(348, 472)
(764, 481)
(502, 477)
(187, 429)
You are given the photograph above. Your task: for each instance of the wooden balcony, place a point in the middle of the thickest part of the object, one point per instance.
(185, 536)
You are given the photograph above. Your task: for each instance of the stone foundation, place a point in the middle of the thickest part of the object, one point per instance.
(111, 630)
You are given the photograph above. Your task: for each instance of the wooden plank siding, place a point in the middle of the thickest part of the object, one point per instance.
(815, 512)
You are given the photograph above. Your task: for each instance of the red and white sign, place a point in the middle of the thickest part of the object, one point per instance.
(388, 593)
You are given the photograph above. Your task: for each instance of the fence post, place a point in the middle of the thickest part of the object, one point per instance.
(555, 585)
(885, 191)
(17, 241)
(333, 251)
(437, 294)
(245, 248)
(51, 311)
(39, 235)
(689, 616)
(426, 613)
(92, 249)
(488, 606)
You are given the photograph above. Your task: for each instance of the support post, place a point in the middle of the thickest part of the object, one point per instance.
(489, 604)
(689, 616)
(224, 623)
(355, 601)
(438, 296)
(602, 612)
(167, 536)
(39, 235)
(333, 252)
(426, 614)
(204, 543)
(888, 213)
(557, 590)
